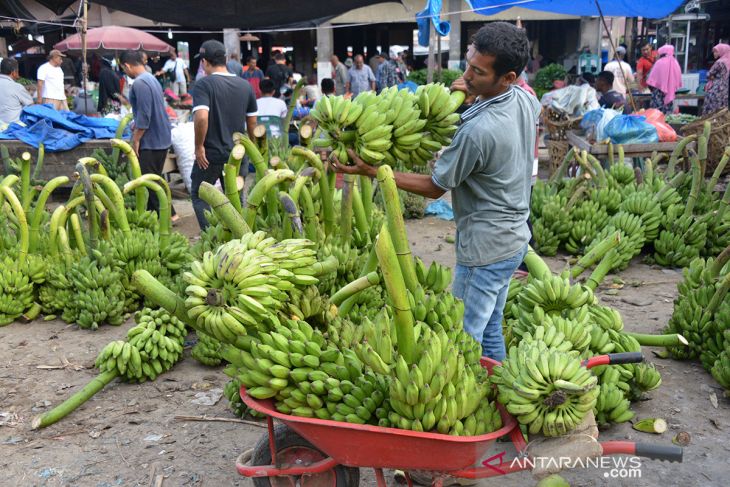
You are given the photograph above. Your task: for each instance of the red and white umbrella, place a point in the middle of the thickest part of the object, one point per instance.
(114, 38)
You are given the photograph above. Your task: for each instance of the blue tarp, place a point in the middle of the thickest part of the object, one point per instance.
(652, 9)
(59, 131)
(432, 11)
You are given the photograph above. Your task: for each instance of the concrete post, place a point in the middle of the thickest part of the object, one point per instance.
(3, 47)
(231, 39)
(325, 41)
(455, 53)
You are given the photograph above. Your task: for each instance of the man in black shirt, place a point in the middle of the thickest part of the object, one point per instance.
(223, 103)
(608, 97)
(279, 73)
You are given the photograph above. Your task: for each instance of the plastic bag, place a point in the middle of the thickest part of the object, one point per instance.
(183, 144)
(656, 118)
(631, 129)
(595, 121)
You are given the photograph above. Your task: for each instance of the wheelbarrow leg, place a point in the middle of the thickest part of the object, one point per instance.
(272, 440)
(438, 481)
(380, 478)
(408, 479)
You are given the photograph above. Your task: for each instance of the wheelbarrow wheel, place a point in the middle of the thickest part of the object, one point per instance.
(292, 449)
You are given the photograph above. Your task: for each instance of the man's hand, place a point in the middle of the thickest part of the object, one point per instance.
(360, 168)
(135, 147)
(459, 85)
(200, 157)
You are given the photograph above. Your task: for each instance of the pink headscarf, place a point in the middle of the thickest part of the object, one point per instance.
(665, 74)
(724, 51)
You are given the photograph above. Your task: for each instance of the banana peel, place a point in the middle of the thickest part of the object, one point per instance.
(651, 425)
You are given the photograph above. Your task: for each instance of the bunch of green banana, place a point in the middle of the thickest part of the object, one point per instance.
(335, 113)
(438, 104)
(17, 290)
(606, 317)
(646, 377)
(620, 176)
(436, 278)
(554, 294)
(207, 350)
(607, 198)
(631, 231)
(137, 250)
(350, 261)
(237, 406)
(515, 288)
(553, 227)
(309, 305)
(612, 406)
(721, 370)
(644, 205)
(582, 233)
(682, 240)
(564, 334)
(57, 290)
(375, 126)
(144, 220)
(436, 308)
(546, 389)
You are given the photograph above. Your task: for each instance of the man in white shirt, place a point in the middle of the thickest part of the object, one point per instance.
(270, 106)
(617, 65)
(50, 81)
(179, 73)
(13, 96)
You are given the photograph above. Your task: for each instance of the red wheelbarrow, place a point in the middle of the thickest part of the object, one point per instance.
(313, 452)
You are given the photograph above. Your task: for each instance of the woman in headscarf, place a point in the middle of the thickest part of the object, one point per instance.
(110, 95)
(664, 80)
(718, 79)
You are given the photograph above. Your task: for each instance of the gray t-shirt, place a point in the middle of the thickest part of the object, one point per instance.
(488, 168)
(148, 106)
(360, 79)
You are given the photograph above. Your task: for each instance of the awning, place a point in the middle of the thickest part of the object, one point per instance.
(652, 9)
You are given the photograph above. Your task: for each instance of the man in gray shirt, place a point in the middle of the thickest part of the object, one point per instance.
(339, 75)
(487, 168)
(361, 77)
(13, 95)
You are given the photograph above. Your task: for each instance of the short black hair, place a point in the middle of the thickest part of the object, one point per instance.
(589, 77)
(133, 58)
(8, 65)
(249, 59)
(279, 56)
(267, 86)
(328, 86)
(507, 43)
(606, 76)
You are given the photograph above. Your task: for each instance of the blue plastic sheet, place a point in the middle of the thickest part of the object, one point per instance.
(440, 209)
(433, 12)
(630, 129)
(611, 8)
(58, 131)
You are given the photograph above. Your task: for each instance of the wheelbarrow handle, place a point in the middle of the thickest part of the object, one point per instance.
(614, 359)
(669, 453)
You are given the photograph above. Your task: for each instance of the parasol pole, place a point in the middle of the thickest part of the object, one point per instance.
(615, 56)
(84, 65)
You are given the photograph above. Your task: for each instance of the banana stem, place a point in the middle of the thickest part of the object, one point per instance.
(351, 289)
(292, 213)
(119, 134)
(63, 247)
(370, 265)
(40, 208)
(164, 202)
(346, 208)
(72, 403)
(721, 260)
(611, 160)
(39, 161)
(649, 171)
(327, 266)
(224, 210)
(115, 203)
(255, 156)
(696, 184)
(328, 211)
(560, 171)
(361, 221)
(139, 194)
(719, 295)
(583, 161)
(88, 189)
(600, 173)
(231, 186)
(290, 110)
(54, 226)
(673, 183)
(535, 265)
(77, 233)
(601, 270)
(366, 191)
(261, 189)
(157, 293)
(311, 222)
(17, 208)
(397, 226)
(596, 254)
(649, 340)
(678, 150)
(91, 162)
(397, 291)
(723, 204)
(25, 180)
(718, 170)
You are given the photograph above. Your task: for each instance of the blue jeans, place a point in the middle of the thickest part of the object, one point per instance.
(211, 174)
(484, 292)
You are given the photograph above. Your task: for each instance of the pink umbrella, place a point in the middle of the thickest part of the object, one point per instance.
(114, 38)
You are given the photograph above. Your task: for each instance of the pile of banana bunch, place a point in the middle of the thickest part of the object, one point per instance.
(550, 221)
(152, 347)
(702, 314)
(394, 126)
(207, 350)
(19, 285)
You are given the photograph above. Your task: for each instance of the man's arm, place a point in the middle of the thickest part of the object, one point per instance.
(137, 138)
(200, 124)
(250, 125)
(39, 95)
(372, 78)
(420, 184)
(24, 97)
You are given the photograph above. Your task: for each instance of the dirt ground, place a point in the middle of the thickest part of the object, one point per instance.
(128, 435)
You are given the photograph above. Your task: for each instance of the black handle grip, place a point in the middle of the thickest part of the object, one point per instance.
(625, 358)
(669, 453)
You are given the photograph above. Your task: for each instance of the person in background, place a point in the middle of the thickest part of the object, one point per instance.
(388, 73)
(339, 75)
(618, 66)
(375, 61)
(223, 104)
(234, 65)
(253, 75)
(13, 95)
(310, 92)
(328, 86)
(361, 77)
(487, 167)
(664, 80)
(268, 104)
(145, 61)
(178, 72)
(643, 66)
(279, 73)
(83, 102)
(151, 132)
(50, 81)
(607, 96)
(110, 93)
(586, 79)
(718, 79)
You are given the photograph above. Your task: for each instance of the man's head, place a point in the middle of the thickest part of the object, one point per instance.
(620, 52)
(144, 58)
(328, 86)
(173, 54)
(359, 61)
(280, 58)
(604, 81)
(334, 60)
(588, 78)
(212, 56)
(646, 50)
(9, 67)
(267, 87)
(251, 62)
(132, 64)
(497, 55)
(55, 57)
